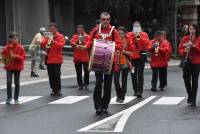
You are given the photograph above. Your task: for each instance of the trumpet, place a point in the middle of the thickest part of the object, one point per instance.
(50, 36)
(156, 48)
(81, 38)
(48, 45)
(6, 60)
(137, 35)
(189, 44)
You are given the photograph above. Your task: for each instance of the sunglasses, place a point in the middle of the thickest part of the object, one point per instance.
(105, 19)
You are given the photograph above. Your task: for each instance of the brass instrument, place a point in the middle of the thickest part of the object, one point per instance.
(137, 35)
(157, 48)
(50, 36)
(81, 38)
(188, 46)
(6, 60)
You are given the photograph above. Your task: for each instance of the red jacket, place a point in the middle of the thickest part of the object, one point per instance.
(194, 53)
(140, 45)
(80, 55)
(55, 51)
(170, 50)
(16, 64)
(161, 58)
(94, 34)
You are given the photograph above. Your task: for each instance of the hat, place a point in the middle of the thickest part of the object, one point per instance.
(42, 29)
(136, 24)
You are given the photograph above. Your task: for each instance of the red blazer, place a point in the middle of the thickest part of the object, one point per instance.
(170, 50)
(94, 34)
(80, 55)
(194, 54)
(140, 45)
(16, 64)
(161, 60)
(55, 52)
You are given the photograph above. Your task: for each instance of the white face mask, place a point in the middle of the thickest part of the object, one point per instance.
(137, 29)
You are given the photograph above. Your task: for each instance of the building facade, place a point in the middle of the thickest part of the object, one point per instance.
(27, 16)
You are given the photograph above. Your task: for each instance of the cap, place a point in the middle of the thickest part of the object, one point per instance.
(42, 29)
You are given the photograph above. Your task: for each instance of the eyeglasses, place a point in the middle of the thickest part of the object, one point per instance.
(105, 19)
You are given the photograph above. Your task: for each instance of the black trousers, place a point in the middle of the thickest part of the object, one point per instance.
(101, 96)
(9, 75)
(54, 72)
(138, 76)
(158, 71)
(78, 67)
(165, 76)
(190, 77)
(121, 90)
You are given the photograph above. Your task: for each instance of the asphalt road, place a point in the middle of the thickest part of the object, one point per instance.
(138, 116)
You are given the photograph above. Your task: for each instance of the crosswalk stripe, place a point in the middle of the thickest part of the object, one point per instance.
(169, 101)
(69, 100)
(127, 99)
(24, 99)
(120, 123)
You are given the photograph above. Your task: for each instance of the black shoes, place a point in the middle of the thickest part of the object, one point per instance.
(42, 67)
(86, 87)
(119, 100)
(153, 89)
(34, 74)
(98, 111)
(139, 96)
(83, 87)
(101, 111)
(55, 94)
(80, 87)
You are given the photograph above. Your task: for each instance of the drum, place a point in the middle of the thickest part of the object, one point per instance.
(102, 55)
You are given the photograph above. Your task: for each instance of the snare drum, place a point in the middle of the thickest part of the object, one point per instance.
(102, 55)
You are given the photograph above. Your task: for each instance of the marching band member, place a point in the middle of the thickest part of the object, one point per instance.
(189, 49)
(102, 31)
(164, 35)
(140, 39)
(159, 49)
(124, 61)
(15, 53)
(33, 48)
(54, 48)
(81, 57)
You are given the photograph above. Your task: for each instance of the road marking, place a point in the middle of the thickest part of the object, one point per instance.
(24, 99)
(40, 80)
(120, 118)
(169, 101)
(127, 99)
(69, 100)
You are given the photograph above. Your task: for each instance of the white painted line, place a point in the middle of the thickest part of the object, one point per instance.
(69, 100)
(169, 101)
(127, 99)
(121, 122)
(24, 99)
(40, 80)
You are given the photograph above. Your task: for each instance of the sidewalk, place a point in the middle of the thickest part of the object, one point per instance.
(67, 70)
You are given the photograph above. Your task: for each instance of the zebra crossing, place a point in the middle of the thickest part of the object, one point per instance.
(75, 99)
